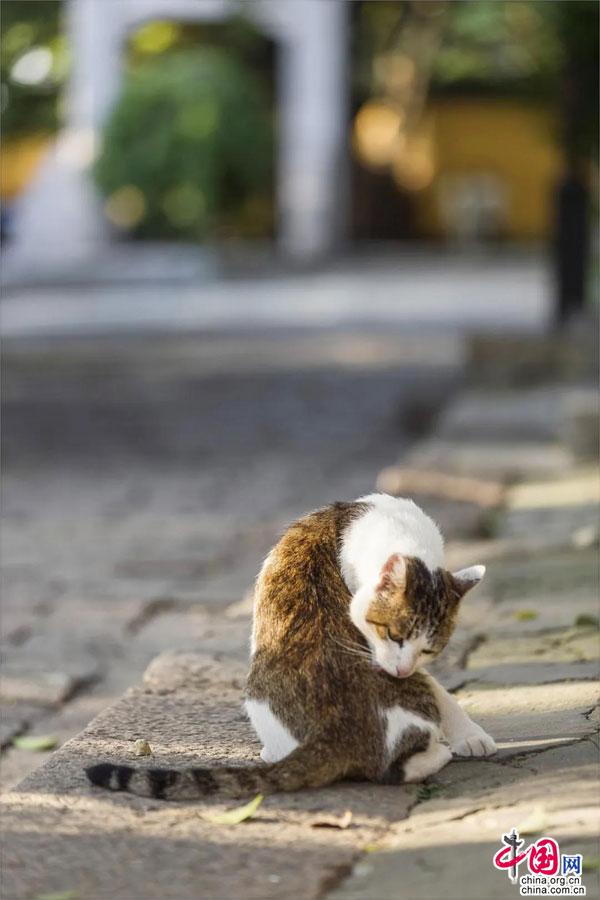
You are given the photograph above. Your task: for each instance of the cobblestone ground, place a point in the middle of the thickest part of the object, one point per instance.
(144, 536)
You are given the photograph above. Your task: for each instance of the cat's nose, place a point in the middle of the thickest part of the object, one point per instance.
(402, 672)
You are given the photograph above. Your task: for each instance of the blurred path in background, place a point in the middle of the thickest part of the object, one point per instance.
(494, 291)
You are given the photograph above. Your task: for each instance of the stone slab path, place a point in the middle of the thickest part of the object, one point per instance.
(524, 662)
(61, 835)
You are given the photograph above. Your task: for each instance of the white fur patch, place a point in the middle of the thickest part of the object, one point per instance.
(276, 738)
(397, 720)
(393, 525)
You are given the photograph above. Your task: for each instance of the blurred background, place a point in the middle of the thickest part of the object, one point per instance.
(293, 128)
(250, 250)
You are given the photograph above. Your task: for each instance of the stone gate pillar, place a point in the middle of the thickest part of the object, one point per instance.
(313, 85)
(58, 219)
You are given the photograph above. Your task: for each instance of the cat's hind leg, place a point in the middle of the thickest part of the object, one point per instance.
(415, 747)
(277, 740)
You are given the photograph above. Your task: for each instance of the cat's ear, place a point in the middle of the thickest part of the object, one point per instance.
(393, 572)
(465, 579)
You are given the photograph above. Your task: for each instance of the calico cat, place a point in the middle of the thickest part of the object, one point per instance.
(348, 606)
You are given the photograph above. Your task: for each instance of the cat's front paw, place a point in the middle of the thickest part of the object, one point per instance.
(474, 742)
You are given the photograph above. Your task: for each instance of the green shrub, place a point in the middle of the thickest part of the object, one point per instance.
(187, 148)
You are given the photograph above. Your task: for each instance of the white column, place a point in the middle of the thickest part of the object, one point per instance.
(313, 110)
(96, 32)
(58, 220)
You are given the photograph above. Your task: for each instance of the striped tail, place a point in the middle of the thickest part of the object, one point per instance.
(311, 765)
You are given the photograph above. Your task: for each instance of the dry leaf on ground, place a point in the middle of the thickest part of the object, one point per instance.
(342, 821)
(142, 748)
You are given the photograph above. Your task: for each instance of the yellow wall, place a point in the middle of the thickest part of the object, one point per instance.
(19, 160)
(512, 140)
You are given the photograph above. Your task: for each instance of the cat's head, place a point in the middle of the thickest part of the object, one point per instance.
(409, 617)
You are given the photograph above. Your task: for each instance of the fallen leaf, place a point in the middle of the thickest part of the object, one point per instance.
(237, 815)
(35, 744)
(590, 863)
(525, 615)
(373, 848)
(142, 748)
(585, 619)
(61, 895)
(334, 821)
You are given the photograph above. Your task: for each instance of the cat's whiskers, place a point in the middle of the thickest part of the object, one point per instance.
(349, 643)
(353, 652)
(361, 656)
(353, 649)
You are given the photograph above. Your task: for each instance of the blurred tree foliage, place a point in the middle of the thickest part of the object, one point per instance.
(494, 48)
(577, 23)
(488, 46)
(498, 47)
(27, 26)
(187, 151)
(526, 48)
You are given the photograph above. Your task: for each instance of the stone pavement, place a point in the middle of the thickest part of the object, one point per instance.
(524, 663)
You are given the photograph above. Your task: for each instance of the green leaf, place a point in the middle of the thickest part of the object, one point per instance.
(590, 863)
(525, 615)
(373, 848)
(60, 895)
(427, 791)
(237, 815)
(36, 744)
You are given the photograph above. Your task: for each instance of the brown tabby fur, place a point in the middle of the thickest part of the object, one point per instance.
(328, 697)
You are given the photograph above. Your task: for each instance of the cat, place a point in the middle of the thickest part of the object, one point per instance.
(348, 606)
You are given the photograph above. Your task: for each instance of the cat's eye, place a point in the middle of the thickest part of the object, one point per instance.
(379, 628)
(428, 652)
(395, 638)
